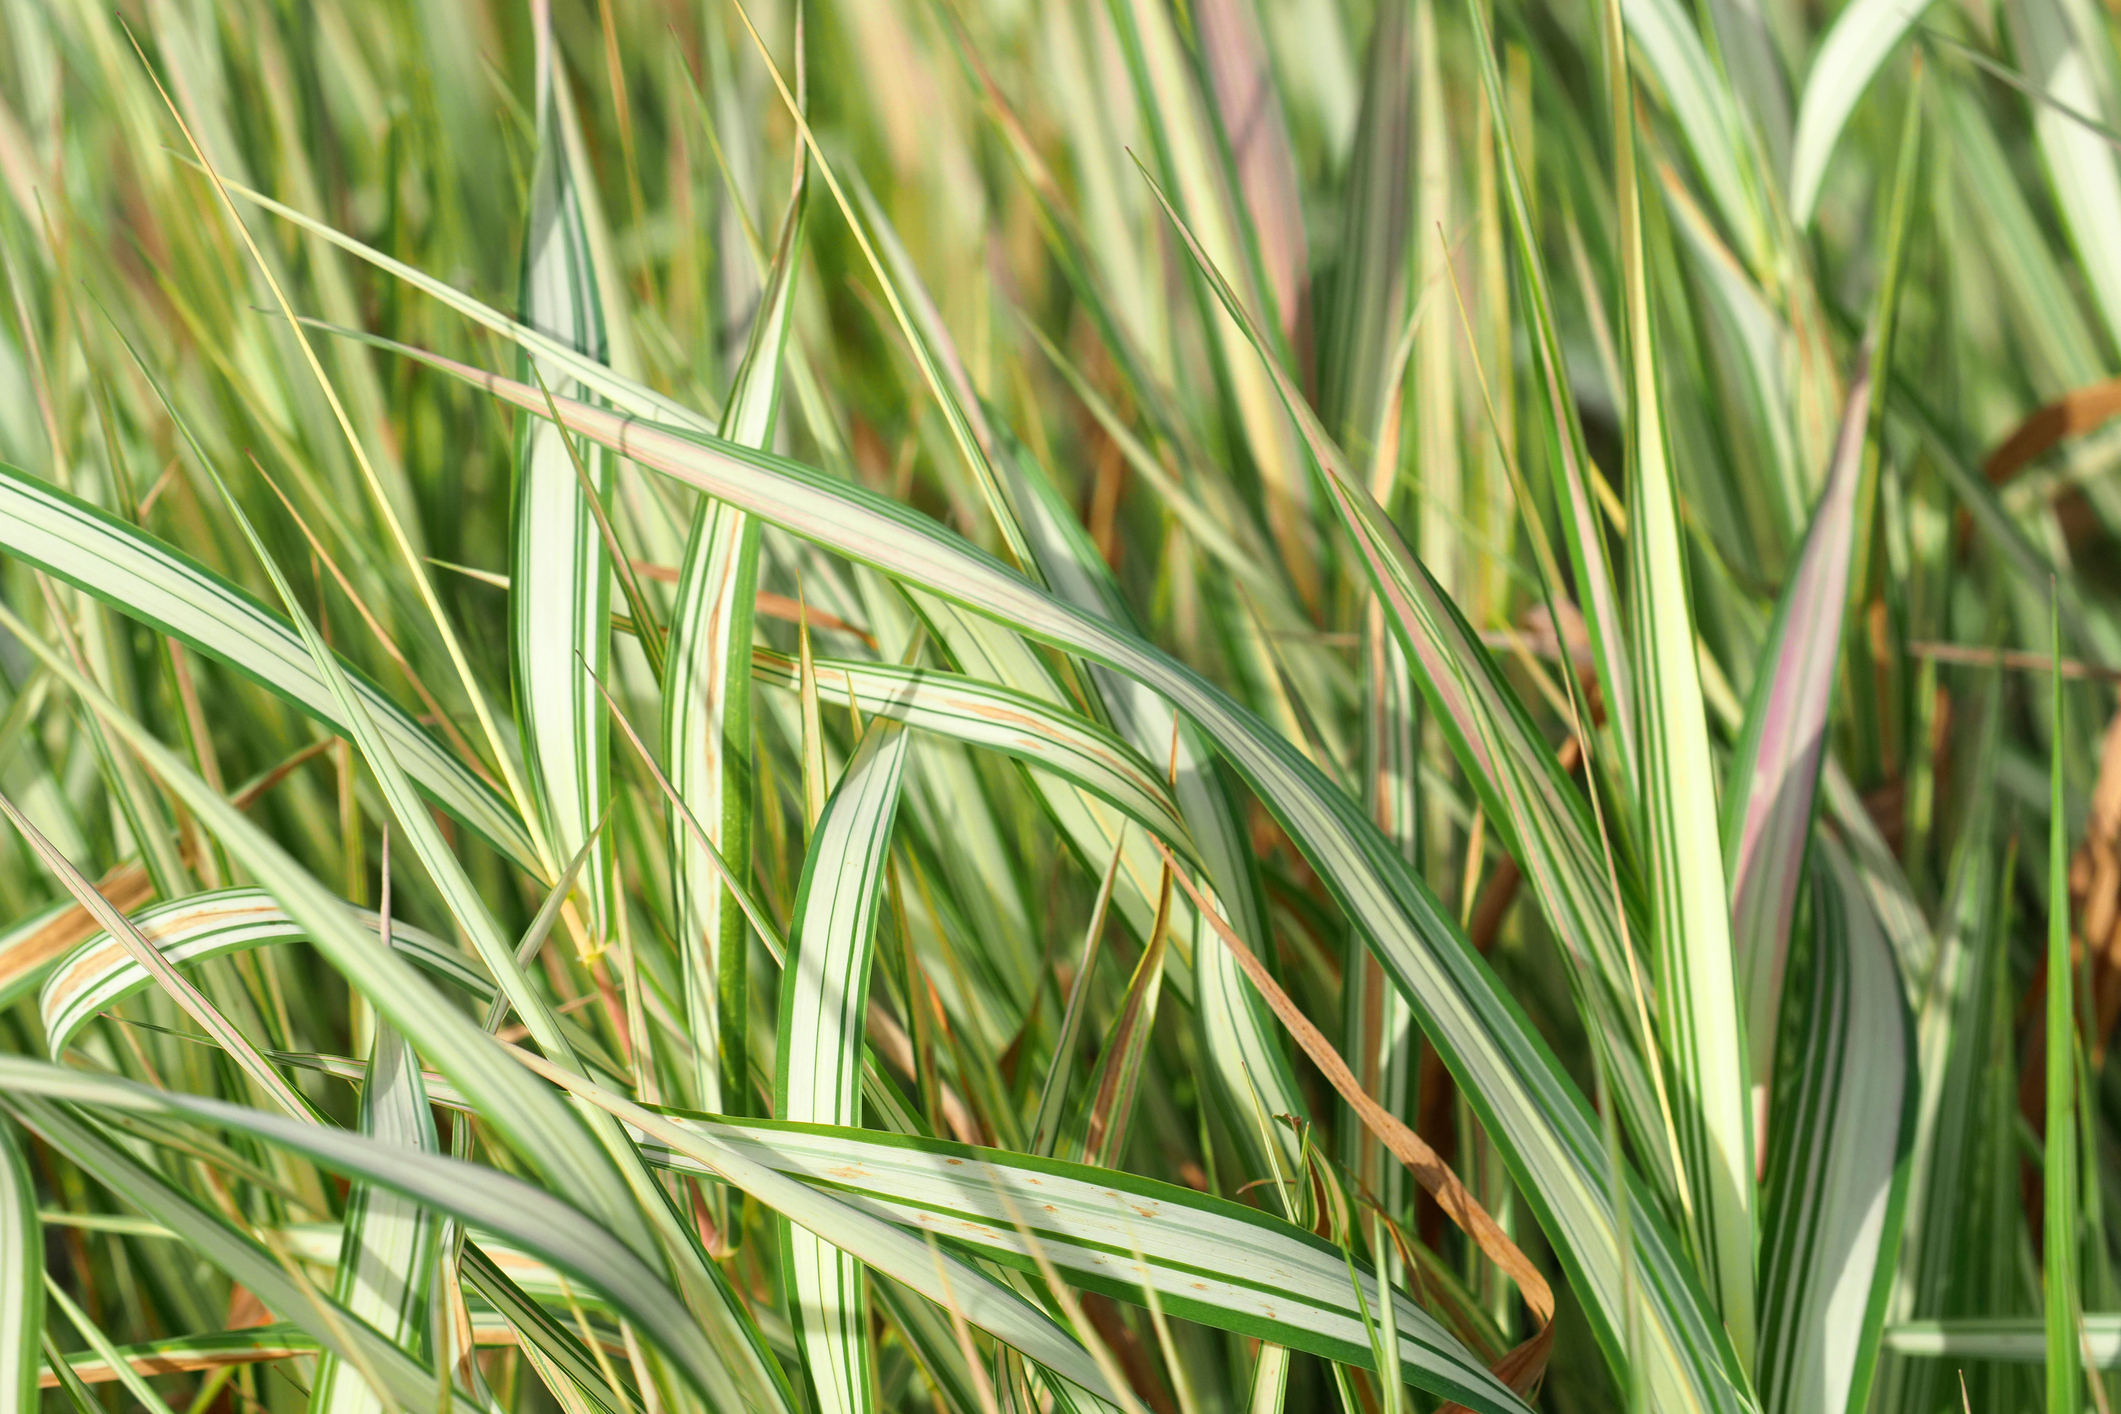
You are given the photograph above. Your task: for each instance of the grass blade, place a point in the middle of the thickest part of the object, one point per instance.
(817, 1078)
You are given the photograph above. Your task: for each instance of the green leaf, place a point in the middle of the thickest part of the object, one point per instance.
(2059, 1255)
(206, 1234)
(1862, 37)
(996, 718)
(1774, 772)
(560, 1233)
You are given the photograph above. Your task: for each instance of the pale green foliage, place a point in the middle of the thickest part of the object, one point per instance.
(1503, 496)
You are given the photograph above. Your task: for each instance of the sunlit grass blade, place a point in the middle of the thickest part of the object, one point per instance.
(560, 570)
(386, 1257)
(101, 972)
(707, 704)
(561, 1357)
(817, 1077)
(240, 1048)
(164, 588)
(996, 1308)
(1861, 40)
(210, 1236)
(1700, 1022)
(1211, 1261)
(998, 719)
(557, 1231)
(1561, 425)
(540, 1127)
(1767, 804)
(1190, 148)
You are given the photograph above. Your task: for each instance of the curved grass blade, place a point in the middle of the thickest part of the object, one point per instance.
(946, 1281)
(817, 1077)
(1209, 1260)
(559, 1354)
(1863, 36)
(1190, 150)
(30, 949)
(101, 973)
(1536, 1115)
(1511, 767)
(388, 1250)
(1837, 1176)
(611, 1182)
(170, 592)
(560, 1233)
(998, 719)
(209, 1236)
(1561, 423)
(194, 1002)
(559, 598)
(546, 1132)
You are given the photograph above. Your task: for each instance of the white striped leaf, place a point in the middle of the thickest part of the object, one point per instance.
(943, 1278)
(388, 1247)
(1209, 1260)
(1562, 425)
(818, 1073)
(559, 597)
(100, 973)
(1690, 918)
(1190, 149)
(998, 719)
(617, 388)
(21, 1276)
(549, 1135)
(207, 1235)
(170, 592)
(1538, 1118)
(560, 1233)
(707, 706)
(135, 1385)
(2065, 47)
(1837, 1170)
(1535, 808)
(566, 1366)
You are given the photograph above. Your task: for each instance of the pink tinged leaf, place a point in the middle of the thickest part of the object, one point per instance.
(1776, 771)
(1252, 119)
